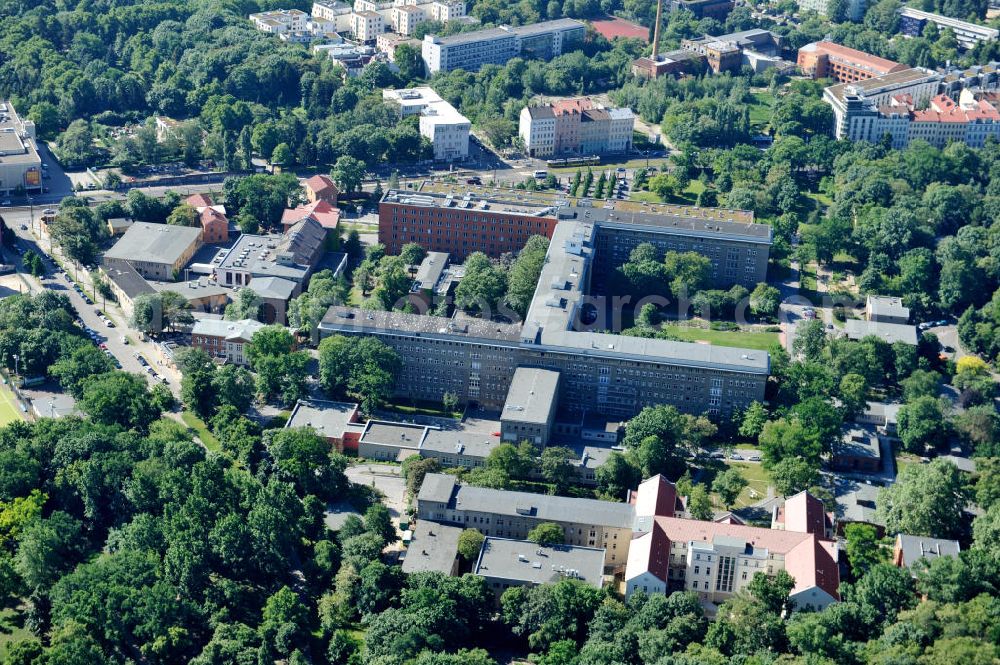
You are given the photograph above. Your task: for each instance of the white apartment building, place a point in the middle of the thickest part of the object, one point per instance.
(856, 105)
(367, 25)
(381, 7)
(406, 18)
(448, 131)
(440, 122)
(337, 13)
(472, 50)
(537, 129)
(281, 21)
(445, 11)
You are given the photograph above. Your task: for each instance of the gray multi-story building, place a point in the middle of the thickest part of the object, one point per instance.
(472, 50)
(445, 218)
(601, 373)
(505, 514)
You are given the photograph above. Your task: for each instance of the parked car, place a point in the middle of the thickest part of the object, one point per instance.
(754, 458)
(109, 323)
(942, 322)
(736, 456)
(124, 340)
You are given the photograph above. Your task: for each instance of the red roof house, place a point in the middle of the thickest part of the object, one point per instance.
(321, 188)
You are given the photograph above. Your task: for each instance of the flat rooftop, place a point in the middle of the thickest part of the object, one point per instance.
(359, 320)
(544, 507)
(403, 435)
(433, 548)
(13, 148)
(460, 442)
(858, 442)
(155, 243)
(889, 332)
(328, 418)
(557, 25)
(524, 561)
(489, 34)
(430, 270)
(878, 84)
(667, 218)
(532, 396)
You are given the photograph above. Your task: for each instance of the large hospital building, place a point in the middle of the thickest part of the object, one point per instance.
(599, 373)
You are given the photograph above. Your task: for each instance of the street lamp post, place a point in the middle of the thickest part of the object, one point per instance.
(16, 373)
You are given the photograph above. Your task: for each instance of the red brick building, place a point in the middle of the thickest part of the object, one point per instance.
(843, 64)
(440, 224)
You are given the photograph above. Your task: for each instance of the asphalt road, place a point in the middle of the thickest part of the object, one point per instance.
(88, 313)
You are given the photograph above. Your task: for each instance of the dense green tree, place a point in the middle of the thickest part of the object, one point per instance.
(547, 533)
(925, 500)
(728, 486)
(119, 398)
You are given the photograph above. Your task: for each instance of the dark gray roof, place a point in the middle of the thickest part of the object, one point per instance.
(127, 279)
(524, 561)
(858, 442)
(275, 288)
(543, 507)
(433, 548)
(430, 270)
(347, 319)
(437, 487)
(541, 112)
(915, 548)
(155, 243)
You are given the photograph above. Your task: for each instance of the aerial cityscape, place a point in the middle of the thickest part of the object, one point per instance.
(468, 332)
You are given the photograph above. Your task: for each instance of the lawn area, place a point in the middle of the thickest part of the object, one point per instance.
(819, 197)
(10, 411)
(12, 629)
(201, 429)
(758, 481)
(687, 197)
(807, 279)
(761, 108)
(648, 197)
(737, 338)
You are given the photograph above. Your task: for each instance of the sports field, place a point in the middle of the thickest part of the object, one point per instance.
(9, 410)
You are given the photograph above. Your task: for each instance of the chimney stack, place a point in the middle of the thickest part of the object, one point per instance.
(656, 29)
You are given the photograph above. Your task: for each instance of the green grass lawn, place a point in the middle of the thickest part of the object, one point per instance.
(12, 629)
(687, 197)
(737, 338)
(761, 109)
(10, 411)
(820, 197)
(201, 429)
(758, 481)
